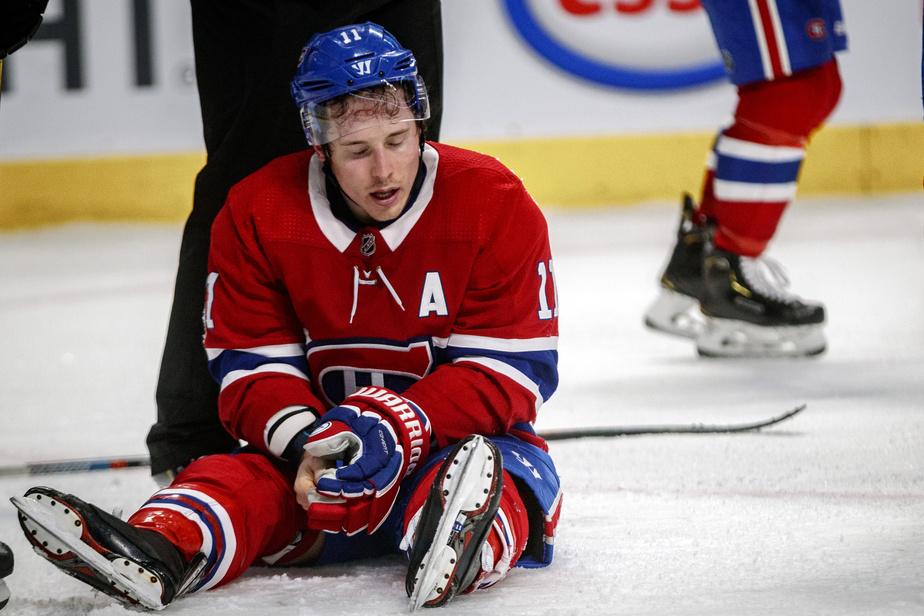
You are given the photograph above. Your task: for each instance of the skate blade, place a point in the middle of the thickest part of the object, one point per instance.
(59, 539)
(476, 469)
(730, 338)
(675, 314)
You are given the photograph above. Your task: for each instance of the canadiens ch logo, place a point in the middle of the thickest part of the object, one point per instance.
(815, 29)
(367, 245)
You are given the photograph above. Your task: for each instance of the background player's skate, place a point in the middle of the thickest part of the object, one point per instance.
(750, 312)
(676, 310)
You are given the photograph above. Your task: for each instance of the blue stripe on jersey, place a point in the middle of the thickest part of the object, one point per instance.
(741, 170)
(540, 367)
(231, 360)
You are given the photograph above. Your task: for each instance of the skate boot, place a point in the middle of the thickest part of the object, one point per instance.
(750, 313)
(135, 565)
(6, 568)
(675, 311)
(454, 523)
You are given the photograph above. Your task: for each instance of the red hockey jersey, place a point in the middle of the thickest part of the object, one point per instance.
(453, 304)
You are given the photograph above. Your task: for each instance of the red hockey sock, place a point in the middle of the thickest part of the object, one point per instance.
(507, 538)
(183, 533)
(757, 158)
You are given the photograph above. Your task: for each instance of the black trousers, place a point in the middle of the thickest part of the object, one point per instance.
(246, 54)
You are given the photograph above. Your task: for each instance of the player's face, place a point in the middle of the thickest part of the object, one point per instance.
(376, 164)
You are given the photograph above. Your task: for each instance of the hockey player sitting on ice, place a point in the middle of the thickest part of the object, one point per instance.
(381, 317)
(717, 287)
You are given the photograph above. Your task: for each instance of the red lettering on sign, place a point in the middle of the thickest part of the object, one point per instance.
(639, 6)
(683, 6)
(580, 7)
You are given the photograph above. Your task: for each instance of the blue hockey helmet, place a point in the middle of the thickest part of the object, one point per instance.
(362, 60)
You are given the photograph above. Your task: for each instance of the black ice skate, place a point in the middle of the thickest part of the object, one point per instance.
(749, 312)
(6, 568)
(675, 311)
(454, 523)
(134, 565)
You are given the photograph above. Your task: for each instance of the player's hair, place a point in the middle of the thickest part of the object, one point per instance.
(385, 100)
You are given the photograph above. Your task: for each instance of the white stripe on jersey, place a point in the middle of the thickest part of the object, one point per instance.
(272, 350)
(237, 375)
(508, 371)
(510, 345)
(759, 152)
(781, 47)
(761, 37)
(752, 192)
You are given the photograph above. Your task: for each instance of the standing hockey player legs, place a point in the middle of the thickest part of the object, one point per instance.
(788, 83)
(676, 310)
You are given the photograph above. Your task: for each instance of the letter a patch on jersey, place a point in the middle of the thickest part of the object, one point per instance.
(432, 299)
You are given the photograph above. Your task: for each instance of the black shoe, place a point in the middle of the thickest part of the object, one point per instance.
(454, 523)
(6, 568)
(135, 565)
(750, 312)
(675, 310)
(172, 446)
(6, 560)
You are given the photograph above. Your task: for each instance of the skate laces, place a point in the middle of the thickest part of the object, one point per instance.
(767, 277)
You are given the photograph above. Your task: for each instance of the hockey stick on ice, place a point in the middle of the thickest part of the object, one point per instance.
(74, 466)
(696, 428)
(138, 461)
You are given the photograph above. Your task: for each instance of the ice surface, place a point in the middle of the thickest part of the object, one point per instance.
(822, 515)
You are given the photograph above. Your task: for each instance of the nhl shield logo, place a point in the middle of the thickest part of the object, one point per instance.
(367, 245)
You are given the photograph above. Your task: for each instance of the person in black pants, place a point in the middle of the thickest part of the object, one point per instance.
(246, 54)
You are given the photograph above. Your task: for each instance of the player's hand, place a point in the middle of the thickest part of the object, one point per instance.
(310, 469)
(373, 440)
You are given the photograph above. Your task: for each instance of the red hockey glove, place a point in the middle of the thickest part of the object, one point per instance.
(376, 438)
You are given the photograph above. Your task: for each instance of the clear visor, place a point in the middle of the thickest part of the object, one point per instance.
(385, 104)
